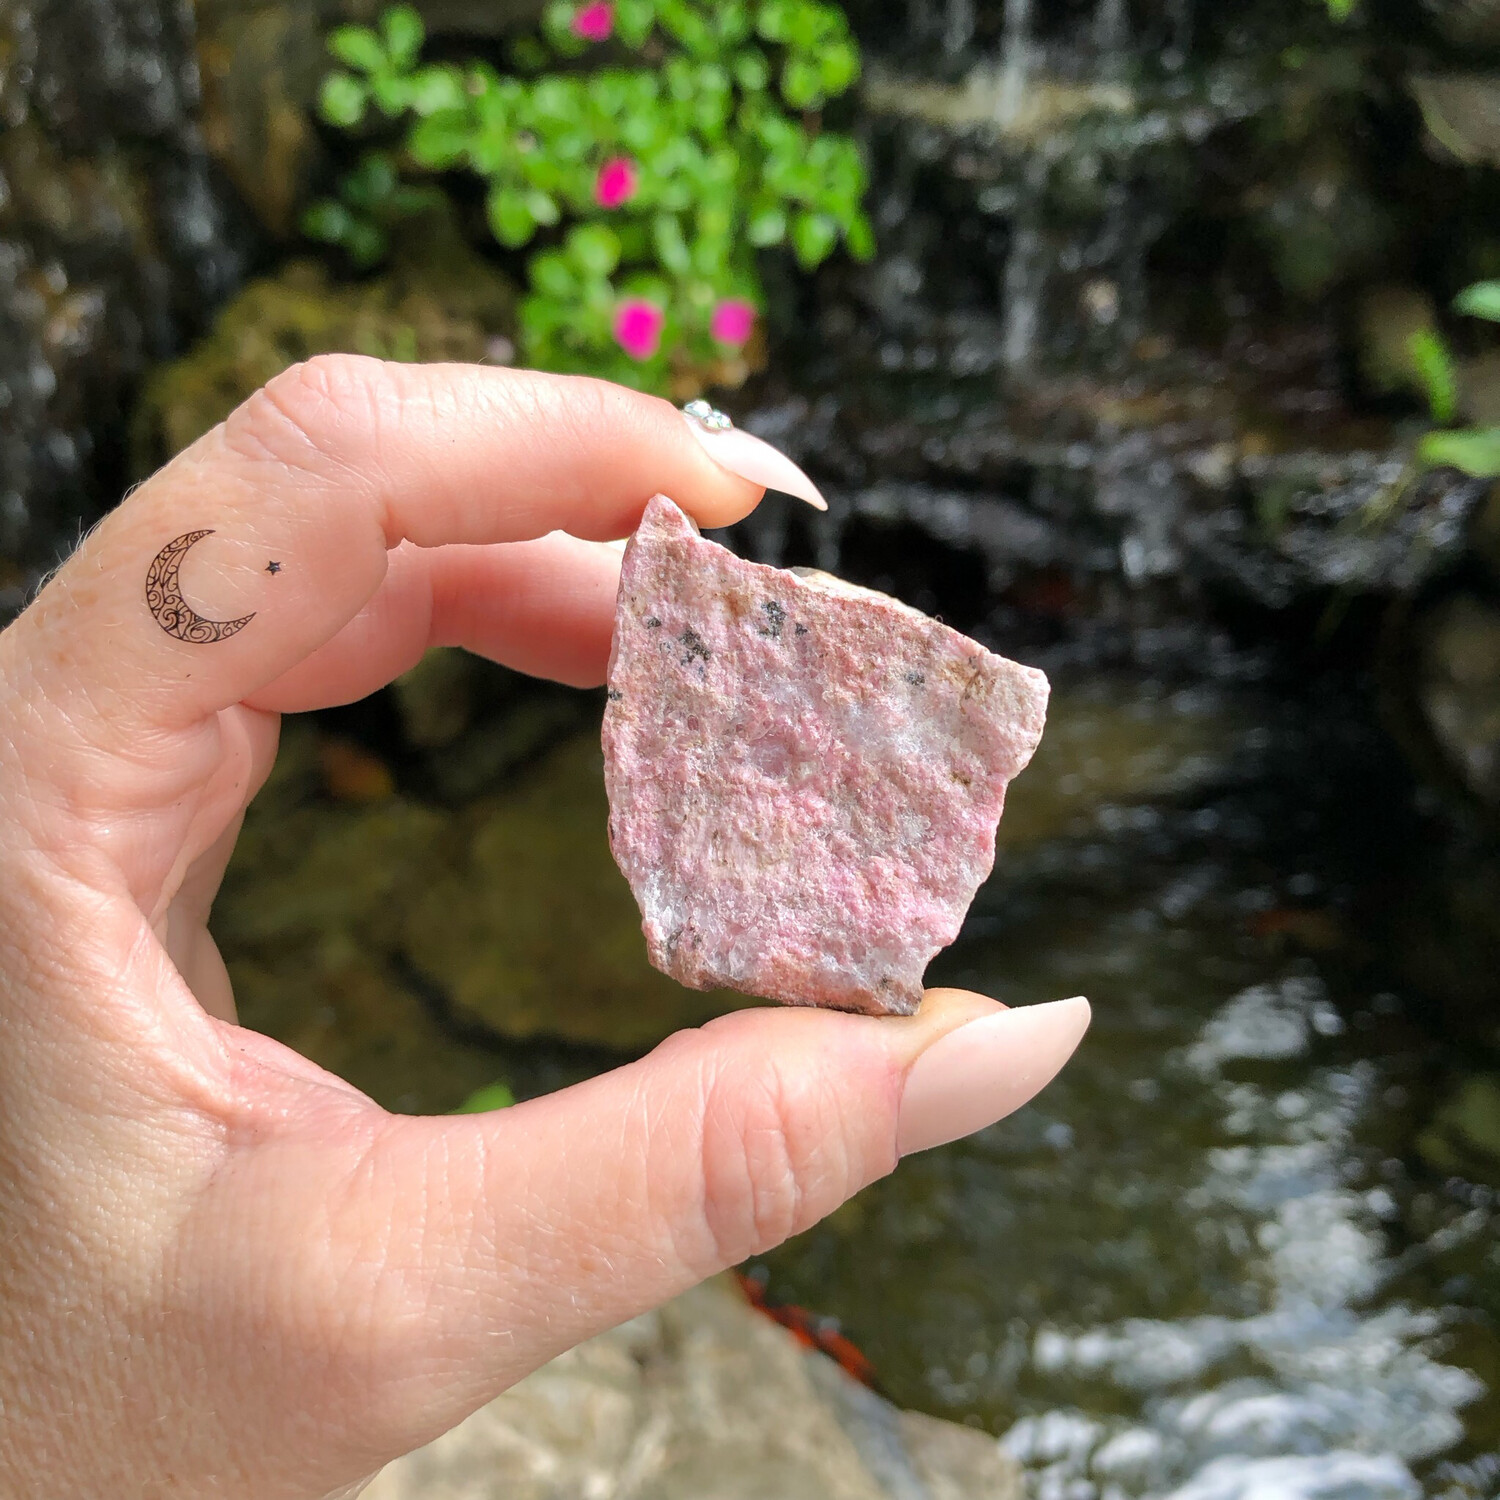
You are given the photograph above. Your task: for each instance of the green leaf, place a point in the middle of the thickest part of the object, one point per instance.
(671, 248)
(357, 47)
(752, 72)
(801, 82)
(404, 34)
(773, 20)
(366, 244)
(1476, 451)
(595, 248)
(406, 201)
(838, 66)
(529, 55)
(813, 237)
(1433, 363)
(441, 140)
(859, 235)
(437, 88)
(371, 182)
(511, 221)
(552, 275)
(391, 91)
(482, 1101)
(543, 207)
(1481, 300)
(767, 226)
(327, 220)
(1341, 10)
(342, 100)
(633, 21)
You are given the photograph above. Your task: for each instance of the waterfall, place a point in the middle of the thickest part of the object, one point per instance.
(1112, 32)
(1015, 59)
(1180, 24)
(958, 28)
(1024, 289)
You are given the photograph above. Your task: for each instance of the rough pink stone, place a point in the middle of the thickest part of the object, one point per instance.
(804, 777)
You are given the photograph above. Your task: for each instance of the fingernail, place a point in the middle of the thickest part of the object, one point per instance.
(985, 1070)
(756, 460)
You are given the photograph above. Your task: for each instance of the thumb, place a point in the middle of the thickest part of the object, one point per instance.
(518, 1234)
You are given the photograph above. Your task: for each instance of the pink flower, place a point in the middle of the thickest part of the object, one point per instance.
(638, 326)
(594, 22)
(733, 321)
(616, 183)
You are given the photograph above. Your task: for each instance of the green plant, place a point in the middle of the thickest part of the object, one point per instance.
(482, 1101)
(645, 190)
(1473, 450)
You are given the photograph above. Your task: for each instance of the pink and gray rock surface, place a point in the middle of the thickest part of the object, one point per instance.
(804, 776)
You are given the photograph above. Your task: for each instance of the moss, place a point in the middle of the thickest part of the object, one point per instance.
(532, 928)
(1464, 1137)
(349, 929)
(439, 301)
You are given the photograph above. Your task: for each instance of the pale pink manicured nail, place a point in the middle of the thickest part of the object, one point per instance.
(753, 459)
(985, 1070)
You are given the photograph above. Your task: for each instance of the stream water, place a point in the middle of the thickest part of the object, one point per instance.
(1202, 1264)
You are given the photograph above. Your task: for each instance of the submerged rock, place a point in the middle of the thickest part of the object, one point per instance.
(804, 777)
(704, 1399)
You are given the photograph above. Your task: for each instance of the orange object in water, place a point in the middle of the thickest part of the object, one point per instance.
(810, 1330)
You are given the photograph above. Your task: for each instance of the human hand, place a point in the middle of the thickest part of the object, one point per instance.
(224, 1271)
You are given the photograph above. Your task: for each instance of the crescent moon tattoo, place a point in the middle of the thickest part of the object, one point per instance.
(173, 613)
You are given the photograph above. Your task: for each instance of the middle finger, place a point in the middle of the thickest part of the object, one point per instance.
(544, 607)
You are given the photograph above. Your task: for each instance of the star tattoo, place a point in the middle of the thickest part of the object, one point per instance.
(273, 568)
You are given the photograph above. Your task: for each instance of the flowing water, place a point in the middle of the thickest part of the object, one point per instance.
(1202, 1264)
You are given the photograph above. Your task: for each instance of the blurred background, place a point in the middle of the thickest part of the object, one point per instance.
(1153, 343)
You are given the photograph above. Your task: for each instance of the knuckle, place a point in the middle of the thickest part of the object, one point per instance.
(775, 1161)
(298, 417)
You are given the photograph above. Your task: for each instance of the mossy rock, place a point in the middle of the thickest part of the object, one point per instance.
(378, 938)
(439, 300)
(532, 929)
(1464, 1137)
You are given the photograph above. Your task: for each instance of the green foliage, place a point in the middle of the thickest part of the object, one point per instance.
(1433, 364)
(1482, 300)
(634, 183)
(482, 1101)
(1476, 451)
(1473, 450)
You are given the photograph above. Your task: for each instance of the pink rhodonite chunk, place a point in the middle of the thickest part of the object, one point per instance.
(804, 777)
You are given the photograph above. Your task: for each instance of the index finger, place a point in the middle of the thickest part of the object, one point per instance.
(258, 543)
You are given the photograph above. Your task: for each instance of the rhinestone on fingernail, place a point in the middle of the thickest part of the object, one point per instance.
(710, 418)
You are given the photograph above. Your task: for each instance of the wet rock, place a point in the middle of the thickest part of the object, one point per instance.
(1464, 1137)
(1462, 115)
(531, 929)
(436, 697)
(804, 777)
(376, 935)
(1459, 692)
(702, 1400)
(116, 236)
(1443, 938)
(1468, 22)
(1484, 534)
(439, 301)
